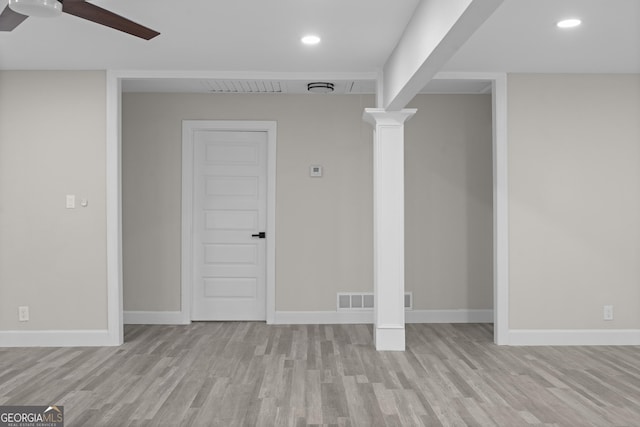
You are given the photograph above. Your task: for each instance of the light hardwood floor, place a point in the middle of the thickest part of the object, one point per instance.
(246, 374)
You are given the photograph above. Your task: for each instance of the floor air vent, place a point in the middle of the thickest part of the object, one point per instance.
(364, 301)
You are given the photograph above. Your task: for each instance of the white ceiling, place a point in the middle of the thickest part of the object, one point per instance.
(223, 35)
(521, 37)
(262, 36)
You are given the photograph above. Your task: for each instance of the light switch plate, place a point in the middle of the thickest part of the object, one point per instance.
(71, 201)
(315, 171)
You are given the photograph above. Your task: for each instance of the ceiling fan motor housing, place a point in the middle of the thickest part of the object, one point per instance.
(40, 8)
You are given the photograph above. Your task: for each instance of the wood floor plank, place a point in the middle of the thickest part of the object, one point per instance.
(248, 374)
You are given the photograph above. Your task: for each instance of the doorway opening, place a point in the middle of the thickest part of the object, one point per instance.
(114, 203)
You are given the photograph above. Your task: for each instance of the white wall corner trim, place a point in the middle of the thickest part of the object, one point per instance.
(114, 210)
(78, 338)
(156, 318)
(538, 337)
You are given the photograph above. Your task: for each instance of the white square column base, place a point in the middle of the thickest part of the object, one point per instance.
(389, 338)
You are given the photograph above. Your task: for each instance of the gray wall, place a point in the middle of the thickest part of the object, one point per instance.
(324, 226)
(574, 197)
(52, 143)
(448, 204)
(574, 200)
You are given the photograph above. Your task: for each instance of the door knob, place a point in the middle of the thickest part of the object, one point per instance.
(260, 235)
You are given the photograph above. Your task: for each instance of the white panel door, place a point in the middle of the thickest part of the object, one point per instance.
(229, 207)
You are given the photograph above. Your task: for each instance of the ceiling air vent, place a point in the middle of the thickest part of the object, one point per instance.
(245, 86)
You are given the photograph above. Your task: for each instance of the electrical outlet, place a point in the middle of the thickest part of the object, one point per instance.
(23, 313)
(607, 312)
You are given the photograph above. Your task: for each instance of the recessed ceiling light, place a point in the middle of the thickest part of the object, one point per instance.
(310, 39)
(569, 23)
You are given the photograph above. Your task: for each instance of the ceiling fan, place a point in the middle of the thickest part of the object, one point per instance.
(19, 10)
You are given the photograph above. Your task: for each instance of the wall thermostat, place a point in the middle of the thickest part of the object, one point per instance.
(315, 171)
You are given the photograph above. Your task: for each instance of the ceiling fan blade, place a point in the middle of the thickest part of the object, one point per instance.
(93, 13)
(10, 19)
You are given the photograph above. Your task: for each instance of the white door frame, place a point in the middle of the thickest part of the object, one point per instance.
(114, 191)
(188, 128)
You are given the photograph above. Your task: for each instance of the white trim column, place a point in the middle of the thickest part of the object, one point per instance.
(388, 224)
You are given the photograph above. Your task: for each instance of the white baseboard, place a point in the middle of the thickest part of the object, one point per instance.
(79, 338)
(322, 317)
(366, 316)
(155, 318)
(449, 316)
(522, 337)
